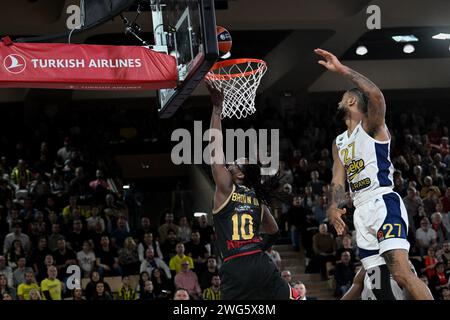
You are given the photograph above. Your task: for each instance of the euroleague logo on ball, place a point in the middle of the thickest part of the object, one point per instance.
(14, 63)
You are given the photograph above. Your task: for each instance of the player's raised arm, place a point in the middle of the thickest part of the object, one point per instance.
(270, 228)
(376, 104)
(354, 293)
(222, 177)
(337, 191)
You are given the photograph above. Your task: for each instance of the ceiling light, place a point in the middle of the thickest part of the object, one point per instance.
(361, 51)
(409, 48)
(442, 36)
(405, 38)
(126, 187)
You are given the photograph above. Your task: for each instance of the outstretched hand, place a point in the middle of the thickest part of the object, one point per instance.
(334, 215)
(331, 62)
(216, 95)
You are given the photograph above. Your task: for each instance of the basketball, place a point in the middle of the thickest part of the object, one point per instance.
(224, 40)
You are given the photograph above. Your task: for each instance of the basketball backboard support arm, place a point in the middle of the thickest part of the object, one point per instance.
(158, 27)
(187, 30)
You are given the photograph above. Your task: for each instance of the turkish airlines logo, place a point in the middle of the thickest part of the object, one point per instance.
(14, 63)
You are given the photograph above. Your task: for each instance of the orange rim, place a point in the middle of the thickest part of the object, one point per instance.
(227, 63)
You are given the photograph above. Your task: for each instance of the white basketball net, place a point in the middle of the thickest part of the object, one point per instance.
(239, 83)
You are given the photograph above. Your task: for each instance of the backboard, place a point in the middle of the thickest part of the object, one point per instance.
(185, 29)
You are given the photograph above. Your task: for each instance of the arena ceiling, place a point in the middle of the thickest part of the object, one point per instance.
(284, 33)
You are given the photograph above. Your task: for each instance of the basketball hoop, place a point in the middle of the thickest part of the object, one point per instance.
(239, 79)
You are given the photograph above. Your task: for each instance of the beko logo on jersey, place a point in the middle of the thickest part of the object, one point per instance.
(354, 168)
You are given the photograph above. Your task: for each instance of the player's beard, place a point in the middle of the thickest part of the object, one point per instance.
(341, 114)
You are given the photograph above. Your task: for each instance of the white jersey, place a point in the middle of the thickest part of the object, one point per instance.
(367, 163)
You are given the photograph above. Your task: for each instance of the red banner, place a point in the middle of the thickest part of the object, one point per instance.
(85, 67)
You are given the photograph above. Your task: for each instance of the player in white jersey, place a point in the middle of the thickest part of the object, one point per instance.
(362, 155)
(376, 283)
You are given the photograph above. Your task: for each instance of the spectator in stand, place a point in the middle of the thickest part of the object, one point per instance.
(285, 175)
(99, 182)
(94, 219)
(6, 288)
(38, 256)
(445, 201)
(320, 209)
(6, 271)
(77, 237)
(185, 231)
(181, 294)
(445, 294)
(324, 249)
(168, 225)
(68, 211)
(444, 254)
(286, 275)
(175, 263)
(197, 251)
(296, 217)
(91, 286)
(147, 292)
(301, 291)
(100, 293)
(439, 280)
(206, 275)
(77, 295)
(412, 203)
(65, 152)
(48, 262)
(308, 199)
(187, 279)
(86, 259)
(145, 228)
(107, 259)
(316, 184)
(429, 263)
(425, 236)
(58, 187)
(96, 236)
(344, 272)
(163, 287)
(29, 283)
(127, 292)
(147, 243)
(20, 172)
(302, 173)
(20, 272)
(79, 185)
(16, 235)
(121, 232)
(437, 225)
(168, 249)
(206, 232)
(213, 292)
(51, 287)
(274, 256)
(347, 246)
(64, 257)
(15, 253)
(428, 185)
(151, 262)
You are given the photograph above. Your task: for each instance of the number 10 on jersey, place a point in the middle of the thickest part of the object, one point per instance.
(240, 227)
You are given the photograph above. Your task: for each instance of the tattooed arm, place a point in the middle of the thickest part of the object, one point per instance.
(337, 196)
(376, 104)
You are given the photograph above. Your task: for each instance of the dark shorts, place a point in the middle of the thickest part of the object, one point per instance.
(253, 277)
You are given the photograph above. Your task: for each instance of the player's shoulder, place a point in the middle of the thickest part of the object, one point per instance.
(340, 139)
